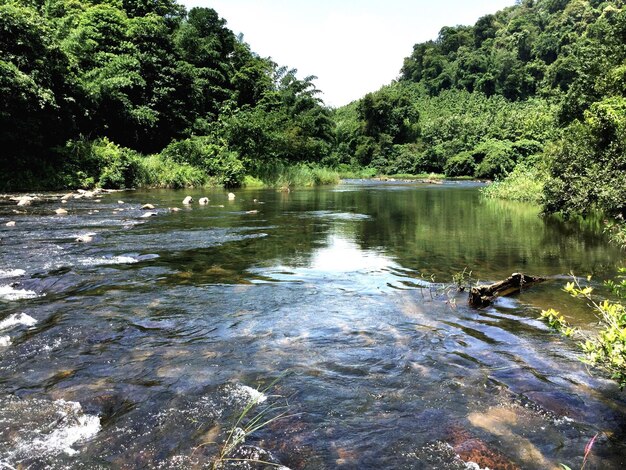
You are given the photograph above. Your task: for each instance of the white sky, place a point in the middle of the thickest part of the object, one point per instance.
(352, 46)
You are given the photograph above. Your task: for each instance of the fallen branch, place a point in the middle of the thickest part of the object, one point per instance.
(482, 296)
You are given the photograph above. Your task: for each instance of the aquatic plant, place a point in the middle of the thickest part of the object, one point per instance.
(246, 423)
(462, 279)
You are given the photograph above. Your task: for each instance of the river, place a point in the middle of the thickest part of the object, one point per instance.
(332, 310)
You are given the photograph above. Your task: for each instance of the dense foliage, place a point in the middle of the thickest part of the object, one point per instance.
(541, 83)
(89, 86)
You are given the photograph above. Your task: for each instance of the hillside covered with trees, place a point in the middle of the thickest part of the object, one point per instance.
(122, 93)
(535, 91)
(118, 93)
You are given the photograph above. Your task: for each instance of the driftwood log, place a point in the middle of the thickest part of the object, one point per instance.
(482, 296)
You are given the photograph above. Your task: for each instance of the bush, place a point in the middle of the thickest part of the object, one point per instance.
(588, 168)
(605, 348)
(461, 165)
(201, 152)
(100, 163)
(494, 158)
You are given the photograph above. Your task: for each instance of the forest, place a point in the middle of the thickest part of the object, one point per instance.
(125, 93)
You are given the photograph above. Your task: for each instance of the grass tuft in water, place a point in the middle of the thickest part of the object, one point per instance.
(247, 423)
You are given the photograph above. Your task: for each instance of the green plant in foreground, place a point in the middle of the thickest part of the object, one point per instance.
(605, 349)
(247, 423)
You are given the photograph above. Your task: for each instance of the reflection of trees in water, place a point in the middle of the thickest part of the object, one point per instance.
(433, 230)
(444, 230)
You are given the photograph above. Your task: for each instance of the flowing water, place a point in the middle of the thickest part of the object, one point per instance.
(141, 346)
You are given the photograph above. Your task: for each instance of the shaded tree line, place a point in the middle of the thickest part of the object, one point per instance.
(92, 85)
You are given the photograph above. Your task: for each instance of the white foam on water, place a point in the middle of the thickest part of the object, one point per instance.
(5, 341)
(6, 273)
(9, 293)
(105, 261)
(17, 319)
(74, 427)
(248, 394)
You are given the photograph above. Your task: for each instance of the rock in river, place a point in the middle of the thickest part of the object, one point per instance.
(188, 200)
(203, 201)
(147, 207)
(60, 211)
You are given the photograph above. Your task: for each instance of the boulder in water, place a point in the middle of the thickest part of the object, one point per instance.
(203, 201)
(188, 200)
(85, 238)
(147, 207)
(25, 201)
(148, 214)
(10, 224)
(60, 211)
(231, 196)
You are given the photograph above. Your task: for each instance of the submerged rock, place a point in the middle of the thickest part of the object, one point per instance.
(188, 200)
(472, 449)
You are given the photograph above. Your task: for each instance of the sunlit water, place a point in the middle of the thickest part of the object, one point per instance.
(141, 347)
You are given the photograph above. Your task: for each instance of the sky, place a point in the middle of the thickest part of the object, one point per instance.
(352, 46)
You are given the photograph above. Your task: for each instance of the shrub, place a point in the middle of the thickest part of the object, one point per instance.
(605, 348)
(100, 163)
(201, 152)
(462, 164)
(588, 169)
(494, 157)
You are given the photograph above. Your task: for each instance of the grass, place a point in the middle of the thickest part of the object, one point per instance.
(246, 423)
(349, 172)
(285, 177)
(522, 184)
(157, 172)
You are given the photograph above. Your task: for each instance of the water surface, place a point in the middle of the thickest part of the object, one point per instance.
(141, 347)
